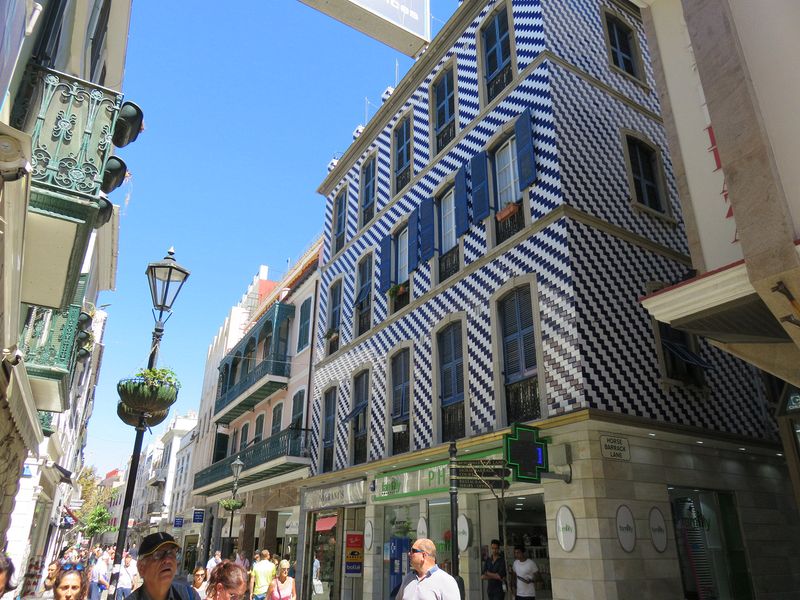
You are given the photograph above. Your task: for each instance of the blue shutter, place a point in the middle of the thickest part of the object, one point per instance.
(462, 214)
(426, 229)
(413, 247)
(526, 160)
(480, 186)
(386, 264)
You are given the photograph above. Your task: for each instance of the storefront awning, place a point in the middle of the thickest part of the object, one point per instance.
(325, 524)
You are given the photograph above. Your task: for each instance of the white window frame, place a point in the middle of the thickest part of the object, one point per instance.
(507, 191)
(448, 225)
(402, 256)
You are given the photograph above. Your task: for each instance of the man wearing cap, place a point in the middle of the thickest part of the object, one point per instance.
(157, 565)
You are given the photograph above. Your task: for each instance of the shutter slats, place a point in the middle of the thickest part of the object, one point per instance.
(426, 229)
(462, 212)
(386, 264)
(526, 160)
(413, 236)
(480, 186)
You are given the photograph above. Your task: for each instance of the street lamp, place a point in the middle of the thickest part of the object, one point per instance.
(166, 279)
(236, 469)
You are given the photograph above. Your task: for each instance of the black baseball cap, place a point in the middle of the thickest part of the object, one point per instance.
(154, 541)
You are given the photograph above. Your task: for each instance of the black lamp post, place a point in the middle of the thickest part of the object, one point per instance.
(166, 279)
(236, 469)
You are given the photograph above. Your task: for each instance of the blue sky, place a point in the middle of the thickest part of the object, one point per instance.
(244, 106)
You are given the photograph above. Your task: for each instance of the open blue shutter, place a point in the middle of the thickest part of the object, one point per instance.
(480, 186)
(413, 247)
(426, 229)
(526, 161)
(462, 214)
(386, 264)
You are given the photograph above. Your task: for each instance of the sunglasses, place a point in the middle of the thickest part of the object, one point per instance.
(162, 554)
(416, 551)
(72, 567)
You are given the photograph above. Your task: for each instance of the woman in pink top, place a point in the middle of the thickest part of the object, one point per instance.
(282, 587)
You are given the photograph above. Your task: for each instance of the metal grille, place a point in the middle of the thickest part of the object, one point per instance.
(402, 179)
(401, 300)
(509, 226)
(369, 212)
(327, 459)
(360, 449)
(333, 344)
(400, 439)
(522, 400)
(446, 135)
(499, 82)
(364, 320)
(449, 263)
(453, 422)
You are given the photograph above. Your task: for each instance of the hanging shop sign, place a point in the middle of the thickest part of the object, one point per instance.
(178, 522)
(658, 529)
(198, 514)
(369, 535)
(626, 528)
(422, 527)
(463, 530)
(566, 530)
(614, 447)
(525, 453)
(353, 554)
(344, 494)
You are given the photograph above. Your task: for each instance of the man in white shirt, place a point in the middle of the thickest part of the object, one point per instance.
(425, 580)
(127, 577)
(213, 562)
(526, 574)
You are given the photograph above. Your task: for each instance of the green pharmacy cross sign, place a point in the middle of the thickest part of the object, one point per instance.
(525, 453)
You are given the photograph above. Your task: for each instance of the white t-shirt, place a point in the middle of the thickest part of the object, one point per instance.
(126, 575)
(526, 569)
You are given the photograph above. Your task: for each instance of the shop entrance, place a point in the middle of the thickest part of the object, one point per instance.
(334, 573)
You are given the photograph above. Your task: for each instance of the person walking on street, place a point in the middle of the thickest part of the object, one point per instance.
(127, 577)
(157, 565)
(99, 577)
(282, 586)
(227, 582)
(70, 582)
(494, 571)
(213, 562)
(49, 580)
(263, 574)
(425, 580)
(199, 582)
(526, 575)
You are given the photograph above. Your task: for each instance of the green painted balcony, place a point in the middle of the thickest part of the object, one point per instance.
(71, 123)
(257, 367)
(46, 421)
(277, 455)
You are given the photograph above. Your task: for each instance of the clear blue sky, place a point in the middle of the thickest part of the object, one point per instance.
(244, 106)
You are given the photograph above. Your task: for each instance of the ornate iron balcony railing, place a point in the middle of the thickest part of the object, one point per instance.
(449, 263)
(48, 340)
(453, 422)
(509, 226)
(277, 365)
(522, 401)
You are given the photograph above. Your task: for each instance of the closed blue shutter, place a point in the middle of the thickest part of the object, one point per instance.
(413, 247)
(462, 213)
(526, 160)
(519, 340)
(480, 186)
(451, 364)
(305, 321)
(336, 305)
(426, 229)
(386, 264)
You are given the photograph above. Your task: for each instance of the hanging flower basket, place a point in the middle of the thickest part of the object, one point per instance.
(508, 211)
(152, 390)
(131, 417)
(332, 334)
(398, 289)
(231, 504)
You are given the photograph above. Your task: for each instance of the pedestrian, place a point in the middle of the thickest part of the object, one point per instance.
(263, 574)
(128, 575)
(49, 581)
(213, 562)
(425, 580)
(526, 574)
(99, 577)
(157, 565)
(7, 582)
(494, 571)
(227, 582)
(199, 582)
(282, 586)
(70, 582)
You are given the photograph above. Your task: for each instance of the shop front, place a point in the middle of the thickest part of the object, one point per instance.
(333, 541)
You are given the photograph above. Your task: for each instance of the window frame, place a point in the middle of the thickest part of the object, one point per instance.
(371, 159)
(369, 259)
(243, 435)
(302, 412)
(639, 75)
(339, 218)
(510, 144)
(483, 76)
(401, 249)
(328, 428)
(335, 285)
(278, 407)
(405, 118)
(259, 436)
(660, 174)
(451, 66)
(460, 317)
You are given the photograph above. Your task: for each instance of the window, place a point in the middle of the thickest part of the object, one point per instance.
(277, 417)
(449, 256)
(645, 174)
(444, 109)
(680, 360)
(363, 302)
(234, 441)
(245, 434)
(399, 257)
(368, 191)
(358, 416)
(519, 355)
(305, 324)
(298, 409)
(339, 219)
(497, 54)
(505, 168)
(622, 46)
(328, 430)
(334, 316)
(402, 256)
(451, 381)
(402, 154)
(400, 401)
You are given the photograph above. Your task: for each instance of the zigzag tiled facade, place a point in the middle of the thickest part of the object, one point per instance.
(596, 340)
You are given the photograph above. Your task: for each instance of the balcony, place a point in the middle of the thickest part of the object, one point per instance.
(453, 421)
(158, 476)
(281, 453)
(522, 401)
(71, 123)
(155, 508)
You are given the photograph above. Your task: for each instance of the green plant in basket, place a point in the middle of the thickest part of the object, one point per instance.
(152, 390)
(231, 504)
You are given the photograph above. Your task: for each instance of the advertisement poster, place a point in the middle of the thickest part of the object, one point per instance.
(354, 554)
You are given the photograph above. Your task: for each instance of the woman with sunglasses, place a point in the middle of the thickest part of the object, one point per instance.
(71, 582)
(282, 587)
(228, 581)
(199, 582)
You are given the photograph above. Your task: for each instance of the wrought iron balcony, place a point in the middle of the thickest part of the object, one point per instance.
(509, 226)
(522, 401)
(327, 459)
(360, 448)
(270, 375)
(46, 421)
(453, 422)
(278, 454)
(449, 263)
(154, 508)
(499, 82)
(48, 343)
(400, 437)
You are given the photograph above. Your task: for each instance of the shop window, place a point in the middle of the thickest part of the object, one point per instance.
(497, 67)
(439, 532)
(368, 187)
(451, 382)
(358, 417)
(400, 525)
(711, 551)
(334, 316)
(325, 541)
(401, 388)
(520, 372)
(339, 220)
(402, 154)
(622, 46)
(444, 106)
(328, 430)
(363, 304)
(304, 331)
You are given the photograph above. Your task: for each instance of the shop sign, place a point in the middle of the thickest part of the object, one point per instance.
(422, 527)
(626, 528)
(658, 529)
(353, 554)
(615, 448)
(292, 526)
(566, 530)
(368, 535)
(463, 531)
(420, 480)
(178, 523)
(198, 514)
(525, 453)
(335, 495)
